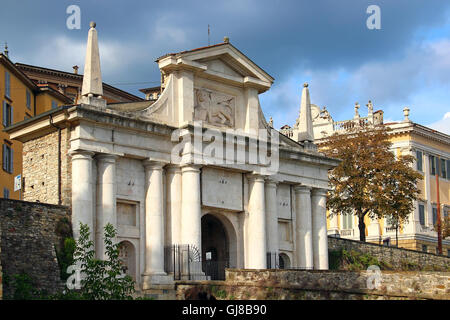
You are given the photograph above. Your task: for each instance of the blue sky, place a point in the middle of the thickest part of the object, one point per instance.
(323, 42)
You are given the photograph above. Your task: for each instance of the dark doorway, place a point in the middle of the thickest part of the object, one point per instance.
(215, 247)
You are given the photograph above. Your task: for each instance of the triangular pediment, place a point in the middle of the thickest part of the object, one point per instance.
(218, 59)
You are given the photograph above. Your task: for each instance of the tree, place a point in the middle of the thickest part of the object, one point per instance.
(370, 180)
(101, 279)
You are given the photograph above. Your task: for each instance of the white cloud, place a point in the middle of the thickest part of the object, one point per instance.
(62, 52)
(418, 79)
(442, 125)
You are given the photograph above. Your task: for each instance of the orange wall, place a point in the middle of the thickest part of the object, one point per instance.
(18, 102)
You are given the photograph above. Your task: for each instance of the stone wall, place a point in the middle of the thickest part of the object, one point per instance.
(40, 169)
(243, 284)
(28, 238)
(1, 274)
(392, 255)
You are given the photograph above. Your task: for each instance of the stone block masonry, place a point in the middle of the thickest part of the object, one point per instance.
(241, 284)
(27, 243)
(40, 169)
(392, 255)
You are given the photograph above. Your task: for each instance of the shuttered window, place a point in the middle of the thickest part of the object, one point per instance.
(419, 161)
(7, 84)
(422, 214)
(7, 158)
(7, 114)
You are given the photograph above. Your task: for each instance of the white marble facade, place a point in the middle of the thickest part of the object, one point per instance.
(123, 172)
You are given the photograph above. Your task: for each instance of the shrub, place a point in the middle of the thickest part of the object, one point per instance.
(101, 279)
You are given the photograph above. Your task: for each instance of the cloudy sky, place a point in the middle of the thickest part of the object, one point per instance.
(323, 42)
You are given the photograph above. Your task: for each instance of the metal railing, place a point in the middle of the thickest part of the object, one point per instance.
(185, 262)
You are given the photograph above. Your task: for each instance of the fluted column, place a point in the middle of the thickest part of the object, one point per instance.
(191, 224)
(154, 219)
(304, 227)
(82, 187)
(257, 255)
(272, 219)
(173, 176)
(319, 228)
(106, 200)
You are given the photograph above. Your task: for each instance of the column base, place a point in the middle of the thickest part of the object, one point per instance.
(157, 278)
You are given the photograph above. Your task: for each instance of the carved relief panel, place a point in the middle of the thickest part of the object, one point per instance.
(214, 108)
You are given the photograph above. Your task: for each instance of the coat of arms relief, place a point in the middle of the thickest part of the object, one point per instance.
(214, 108)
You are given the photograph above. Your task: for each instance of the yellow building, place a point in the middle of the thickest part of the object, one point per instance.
(20, 100)
(432, 151)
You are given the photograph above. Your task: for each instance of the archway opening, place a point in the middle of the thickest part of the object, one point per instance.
(215, 247)
(127, 256)
(284, 261)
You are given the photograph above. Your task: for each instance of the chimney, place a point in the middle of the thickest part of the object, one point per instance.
(6, 50)
(92, 89)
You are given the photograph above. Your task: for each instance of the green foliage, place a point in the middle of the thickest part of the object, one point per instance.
(353, 260)
(103, 279)
(22, 287)
(65, 256)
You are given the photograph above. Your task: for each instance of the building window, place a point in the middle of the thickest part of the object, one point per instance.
(7, 114)
(443, 169)
(424, 248)
(54, 104)
(448, 253)
(419, 161)
(422, 214)
(347, 220)
(6, 193)
(448, 169)
(7, 84)
(28, 100)
(434, 216)
(432, 165)
(7, 158)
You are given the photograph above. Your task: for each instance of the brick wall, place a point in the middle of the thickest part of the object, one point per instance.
(27, 242)
(393, 255)
(40, 168)
(244, 284)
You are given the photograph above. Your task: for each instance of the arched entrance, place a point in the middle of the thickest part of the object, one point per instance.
(284, 261)
(215, 247)
(127, 257)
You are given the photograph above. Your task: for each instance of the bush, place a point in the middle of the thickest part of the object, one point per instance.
(65, 256)
(101, 279)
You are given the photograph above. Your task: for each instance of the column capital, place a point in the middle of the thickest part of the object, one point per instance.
(153, 164)
(302, 189)
(81, 154)
(172, 168)
(319, 192)
(255, 177)
(106, 157)
(271, 182)
(190, 168)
